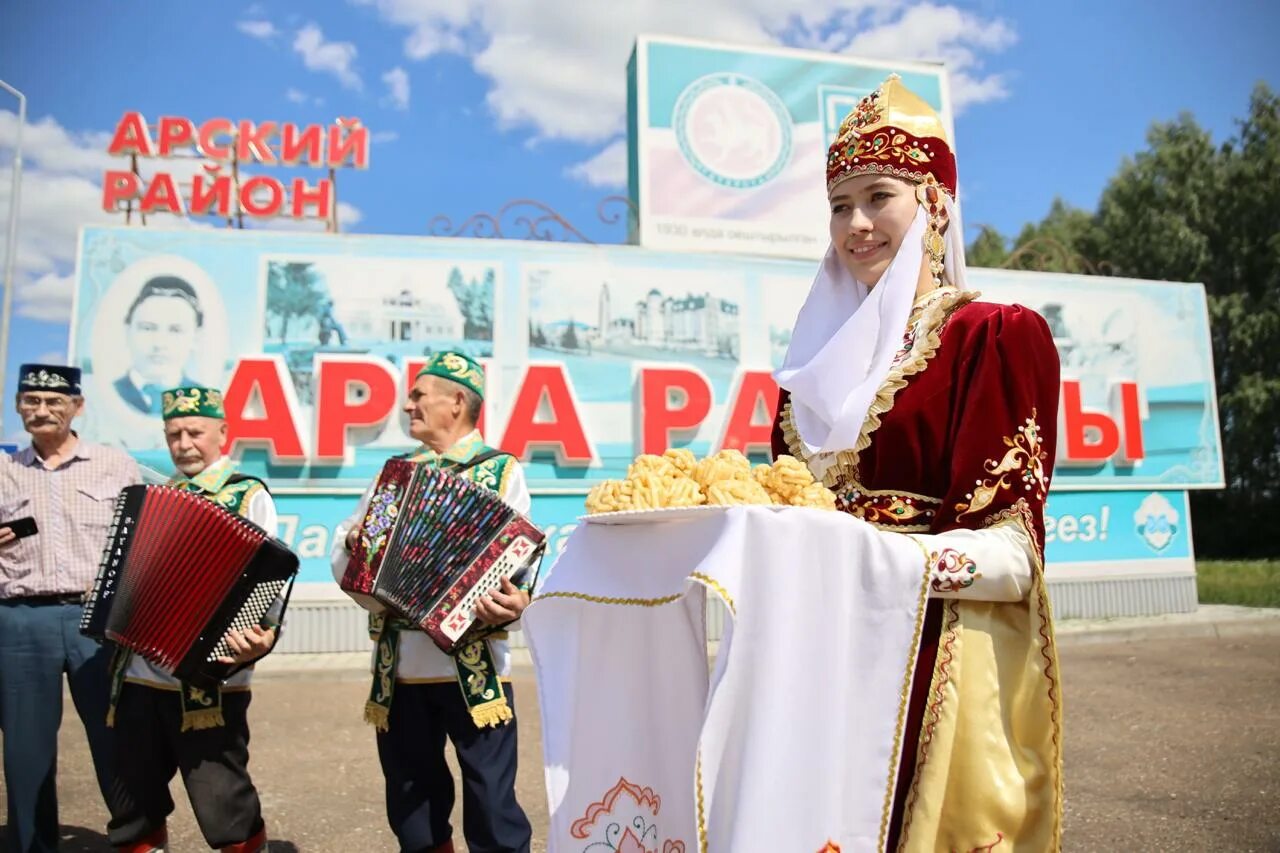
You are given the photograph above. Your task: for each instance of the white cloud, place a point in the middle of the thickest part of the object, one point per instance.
(435, 26)
(330, 57)
(258, 29)
(558, 66)
(397, 80)
(47, 145)
(297, 96)
(62, 191)
(47, 298)
(946, 34)
(606, 169)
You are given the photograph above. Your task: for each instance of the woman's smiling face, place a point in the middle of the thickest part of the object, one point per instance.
(870, 215)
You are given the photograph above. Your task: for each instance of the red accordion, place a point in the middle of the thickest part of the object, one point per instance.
(178, 573)
(432, 544)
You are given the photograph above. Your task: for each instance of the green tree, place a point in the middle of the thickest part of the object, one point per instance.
(1066, 240)
(1158, 217)
(569, 340)
(293, 290)
(1187, 210)
(475, 303)
(988, 249)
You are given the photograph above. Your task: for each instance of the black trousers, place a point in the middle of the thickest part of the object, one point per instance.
(420, 792)
(151, 747)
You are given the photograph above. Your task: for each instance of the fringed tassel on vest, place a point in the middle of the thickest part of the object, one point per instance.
(205, 718)
(492, 714)
(377, 715)
(201, 709)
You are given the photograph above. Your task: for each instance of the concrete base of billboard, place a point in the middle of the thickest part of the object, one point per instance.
(1134, 595)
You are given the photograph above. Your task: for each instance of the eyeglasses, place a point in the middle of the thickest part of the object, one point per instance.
(53, 404)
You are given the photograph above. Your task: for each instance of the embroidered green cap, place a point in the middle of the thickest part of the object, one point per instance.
(192, 401)
(457, 367)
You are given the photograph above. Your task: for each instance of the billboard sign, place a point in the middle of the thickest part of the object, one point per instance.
(593, 354)
(728, 145)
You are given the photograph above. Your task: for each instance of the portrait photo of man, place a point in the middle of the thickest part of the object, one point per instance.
(161, 328)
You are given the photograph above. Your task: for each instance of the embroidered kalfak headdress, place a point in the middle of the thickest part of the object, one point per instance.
(893, 132)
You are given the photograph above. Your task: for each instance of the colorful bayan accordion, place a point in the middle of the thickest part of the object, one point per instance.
(432, 544)
(178, 573)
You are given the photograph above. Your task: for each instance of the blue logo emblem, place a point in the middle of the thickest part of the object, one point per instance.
(733, 130)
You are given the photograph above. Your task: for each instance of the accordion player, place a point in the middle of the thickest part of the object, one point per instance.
(420, 695)
(431, 544)
(180, 572)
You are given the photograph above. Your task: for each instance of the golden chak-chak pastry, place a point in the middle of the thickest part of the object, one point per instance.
(763, 474)
(609, 496)
(725, 465)
(678, 479)
(648, 463)
(732, 492)
(683, 459)
(684, 492)
(787, 477)
(816, 496)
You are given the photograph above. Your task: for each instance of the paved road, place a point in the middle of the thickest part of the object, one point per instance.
(1172, 744)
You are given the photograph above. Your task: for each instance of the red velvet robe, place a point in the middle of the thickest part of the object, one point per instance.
(967, 441)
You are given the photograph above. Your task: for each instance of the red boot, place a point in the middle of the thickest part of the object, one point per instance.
(256, 844)
(156, 842)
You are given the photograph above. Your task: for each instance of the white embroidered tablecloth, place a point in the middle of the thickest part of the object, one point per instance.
(791, 743)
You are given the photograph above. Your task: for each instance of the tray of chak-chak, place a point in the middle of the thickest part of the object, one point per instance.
(677, 486)
(651, 516)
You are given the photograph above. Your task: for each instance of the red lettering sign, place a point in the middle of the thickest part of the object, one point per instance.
(175, 133)
(754, 400)
(664, 421)
(118, 187)
(545, 416)
(1091, 437)
(131, 137)
(263, 381)
(342, 144)
(1129, 402)
(336, 412)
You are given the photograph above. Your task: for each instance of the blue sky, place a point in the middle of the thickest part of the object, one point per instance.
(474, 103)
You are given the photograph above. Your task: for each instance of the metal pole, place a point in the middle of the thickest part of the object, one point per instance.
(11, 244)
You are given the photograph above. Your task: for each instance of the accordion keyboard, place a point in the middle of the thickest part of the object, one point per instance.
(251, 615)
(514, 557)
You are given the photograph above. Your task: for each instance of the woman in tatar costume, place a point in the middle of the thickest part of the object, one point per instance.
(933, 415)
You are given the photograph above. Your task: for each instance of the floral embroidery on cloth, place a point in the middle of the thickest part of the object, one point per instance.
(1023, 463)
(384, 506)
(625, 821)
(951, 571)
(902, 512)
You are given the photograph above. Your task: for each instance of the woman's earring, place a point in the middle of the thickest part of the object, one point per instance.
(930, 198)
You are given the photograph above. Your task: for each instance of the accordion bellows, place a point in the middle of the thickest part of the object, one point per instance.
(178, 573)
(431, 544)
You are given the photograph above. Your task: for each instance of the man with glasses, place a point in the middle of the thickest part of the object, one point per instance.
(67, 487)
